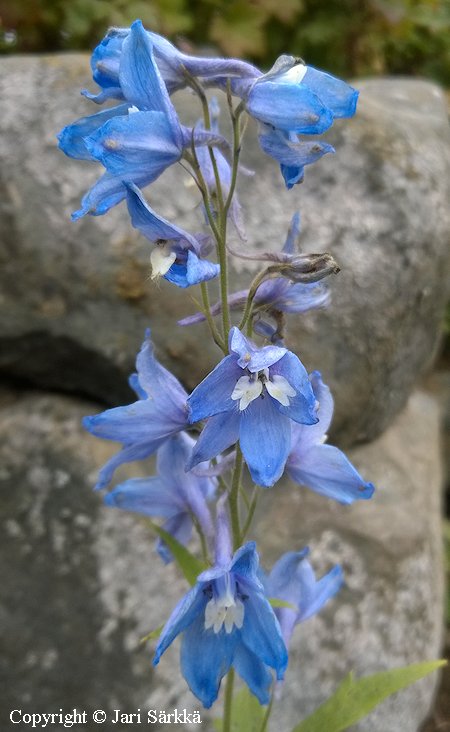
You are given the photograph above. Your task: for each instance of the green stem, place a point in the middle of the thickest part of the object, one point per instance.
(212, 326)
(203, 543)
(228, 702)
(251, 512)
(234, 499)
(260, 277)
(235, 116)
(267, 714)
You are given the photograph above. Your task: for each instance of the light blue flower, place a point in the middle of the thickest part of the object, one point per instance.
(226, 620)
(292, 580)
(106, 58)
(293, 99)
(142, 427)
(177, 255)
(252, 396)
(173, 494)
(298, 98)
(319, 466)
(137, 141)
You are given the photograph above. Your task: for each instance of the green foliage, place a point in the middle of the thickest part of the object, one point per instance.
(247, 715)
(153, 635)
(354, 699)
(348, 37)
(187, 562)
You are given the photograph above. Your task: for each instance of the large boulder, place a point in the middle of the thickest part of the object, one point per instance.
(76, 297)
(81, 583)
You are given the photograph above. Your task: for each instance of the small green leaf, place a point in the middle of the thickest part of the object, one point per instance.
(247, 714)
(354, 699)
(276, 602)
(152, 635)
(189, 565)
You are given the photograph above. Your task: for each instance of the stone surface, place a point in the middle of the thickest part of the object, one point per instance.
(76, 298)
(81, 583)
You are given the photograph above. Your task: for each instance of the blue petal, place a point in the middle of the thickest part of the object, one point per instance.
(213, 394)
(190, 606)
(223, 544)
(250, 357)
(105, 62)
(265, 437)
(220, 432)
(159, 383)
(289, 107)
(301, 297)
(133, 381)
(105, 193)
(192, 272)
(126, 455)
(293, 154)
(180, 527)
(290, 245)
(292, 579)
(261, 632)
(149, 496)
(142, 421)
(304, 436)
(254, 672)
(140, 79)
(245, 562)
(324, 590)
(205, 659)
(302, 406)
(71, 138)
(190, 491)
(200, 270)
(334, 93)
(152, 226)
(327, 471)
(139, 146)
(283, 581)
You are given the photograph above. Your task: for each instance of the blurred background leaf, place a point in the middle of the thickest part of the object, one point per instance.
(347, 37)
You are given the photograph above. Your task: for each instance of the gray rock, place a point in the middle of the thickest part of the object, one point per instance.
(76, 298)
(81, 583)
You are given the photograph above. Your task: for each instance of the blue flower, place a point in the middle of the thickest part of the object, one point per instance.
(142, 427)
(297, 98)
(226, 620)
(252, 395)
(322, 467)
(173, 494)
(177, 255)
(106, 58)
(137, 141)
(292, 580)
(293, 99)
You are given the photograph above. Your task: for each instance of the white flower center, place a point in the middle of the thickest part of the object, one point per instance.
(295, 75)
(161, 259)
(246, 390)
(280, 389)
(225, 610)
(250, 387)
